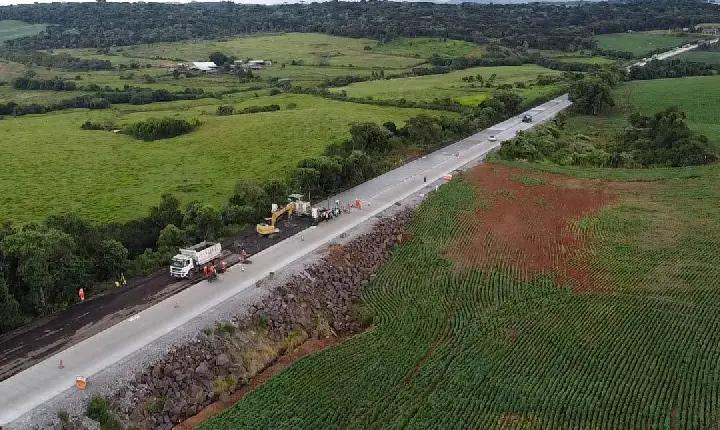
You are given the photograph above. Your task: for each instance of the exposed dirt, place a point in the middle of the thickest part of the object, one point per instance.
(26, 346)
(307, 348)
(529, 225)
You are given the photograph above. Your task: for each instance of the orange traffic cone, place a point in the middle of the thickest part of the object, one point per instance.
(61, 365)
(80, 382)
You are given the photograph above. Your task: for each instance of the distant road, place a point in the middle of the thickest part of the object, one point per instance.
(34, 386)
(670, 53)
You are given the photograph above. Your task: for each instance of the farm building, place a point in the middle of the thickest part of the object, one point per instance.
(203, 66)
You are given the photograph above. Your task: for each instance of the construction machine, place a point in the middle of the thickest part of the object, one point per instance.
(268, 228)
(302, 207)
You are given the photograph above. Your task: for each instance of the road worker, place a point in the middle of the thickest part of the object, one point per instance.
(243, 256)
(205, 270)
(223, 267)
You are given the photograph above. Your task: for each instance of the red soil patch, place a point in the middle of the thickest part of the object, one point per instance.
(528, 230)
(282, 363)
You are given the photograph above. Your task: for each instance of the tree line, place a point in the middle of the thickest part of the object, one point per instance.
(62, 61)
(541, 26)
(104, 99)
(661, 69)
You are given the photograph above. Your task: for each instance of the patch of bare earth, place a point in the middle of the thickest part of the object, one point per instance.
(528, 227)
(307, 348)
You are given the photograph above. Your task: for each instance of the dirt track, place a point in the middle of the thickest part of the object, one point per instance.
(26, 346)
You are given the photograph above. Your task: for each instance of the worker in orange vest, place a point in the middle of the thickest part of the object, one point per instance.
(81, 293)
(205, 270)
(244, 256)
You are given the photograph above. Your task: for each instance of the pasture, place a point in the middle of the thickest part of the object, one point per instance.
(423, 47)
(450, 85)
(642, 42)
(308, 49)
(697, 96)
(16, 29)
(527, 300)
(52, 166)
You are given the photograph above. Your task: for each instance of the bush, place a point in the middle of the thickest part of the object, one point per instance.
(224, 110)
(154, 129)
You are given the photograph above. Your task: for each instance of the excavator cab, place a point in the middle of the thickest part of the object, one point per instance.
(268, 227)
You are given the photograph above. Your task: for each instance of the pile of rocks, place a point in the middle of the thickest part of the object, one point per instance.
(199, 373)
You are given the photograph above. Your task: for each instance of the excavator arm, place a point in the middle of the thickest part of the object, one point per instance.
(266, 229)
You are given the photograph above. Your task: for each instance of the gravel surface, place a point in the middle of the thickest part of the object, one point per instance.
(110, 379)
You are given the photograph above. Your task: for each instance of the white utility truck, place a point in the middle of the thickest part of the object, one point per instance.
(191, 259)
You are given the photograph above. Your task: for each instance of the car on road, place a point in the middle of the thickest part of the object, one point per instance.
(527, 118)
(492, 138)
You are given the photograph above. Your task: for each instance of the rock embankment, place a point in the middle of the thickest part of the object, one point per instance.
(322, 301)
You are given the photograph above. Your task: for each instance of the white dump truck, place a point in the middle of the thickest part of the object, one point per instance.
(192, 259)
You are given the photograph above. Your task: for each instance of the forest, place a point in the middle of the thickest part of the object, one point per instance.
(542, 26)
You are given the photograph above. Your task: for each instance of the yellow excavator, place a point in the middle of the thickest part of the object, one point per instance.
(268, 228)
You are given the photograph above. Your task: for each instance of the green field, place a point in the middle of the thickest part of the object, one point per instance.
(16, 29)
(423, 47)
(450, 85)
(573, 57)
(52, 166)
(710, 57)
(642, 42)
(465, 347)
(698, 97)
(308, 48)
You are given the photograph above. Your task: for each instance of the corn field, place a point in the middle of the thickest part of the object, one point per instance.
(502, 346)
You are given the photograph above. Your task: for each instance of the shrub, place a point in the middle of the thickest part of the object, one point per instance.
(154, 129)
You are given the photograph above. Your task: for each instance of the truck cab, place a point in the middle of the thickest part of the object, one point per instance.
(181, 266)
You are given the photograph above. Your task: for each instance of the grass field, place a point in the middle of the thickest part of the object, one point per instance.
(427, 88)
(698, 97)
(527, 301)
(308, 48)
(423, 47)
(52, 166)
(16, 29)
(710, 57)
(642, 42)
(573, 57)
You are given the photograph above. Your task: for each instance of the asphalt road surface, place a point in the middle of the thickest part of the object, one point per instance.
(34, 386)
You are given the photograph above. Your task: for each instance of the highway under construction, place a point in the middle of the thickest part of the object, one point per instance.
(104, 331)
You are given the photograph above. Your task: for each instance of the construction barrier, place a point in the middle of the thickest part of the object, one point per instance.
(80, 382)
(447, 177)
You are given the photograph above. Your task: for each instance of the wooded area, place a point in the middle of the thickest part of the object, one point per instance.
(543, 26)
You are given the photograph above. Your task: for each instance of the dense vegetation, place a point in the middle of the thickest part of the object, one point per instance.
(535, 25)
(661, 140)
(164, 128)
(671, 68)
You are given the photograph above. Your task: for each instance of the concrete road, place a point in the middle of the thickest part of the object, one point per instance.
(38, 384)
(671, 53)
